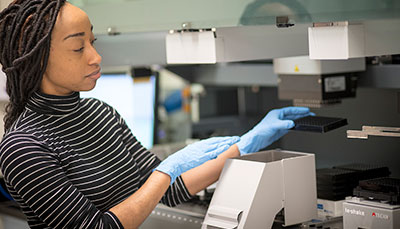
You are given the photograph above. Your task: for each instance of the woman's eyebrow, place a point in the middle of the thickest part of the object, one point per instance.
(81, 34)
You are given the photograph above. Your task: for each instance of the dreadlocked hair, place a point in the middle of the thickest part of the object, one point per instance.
(25, 35)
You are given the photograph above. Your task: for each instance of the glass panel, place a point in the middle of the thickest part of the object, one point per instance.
(161, 15)
(261, 12)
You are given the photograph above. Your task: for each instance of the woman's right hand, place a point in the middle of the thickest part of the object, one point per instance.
(194, 155)
(272, 127)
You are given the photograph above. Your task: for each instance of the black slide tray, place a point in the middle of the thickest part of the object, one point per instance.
(367, 171)
(330, 176)
(318, 124)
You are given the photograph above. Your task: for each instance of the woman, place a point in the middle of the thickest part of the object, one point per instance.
(72, 162)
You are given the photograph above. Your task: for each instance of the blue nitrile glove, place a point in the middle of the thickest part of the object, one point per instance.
(194, 155)
(273, 126)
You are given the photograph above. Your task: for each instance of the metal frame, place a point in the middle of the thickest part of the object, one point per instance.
(374, 131)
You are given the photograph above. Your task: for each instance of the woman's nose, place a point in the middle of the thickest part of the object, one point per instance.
(95, 57)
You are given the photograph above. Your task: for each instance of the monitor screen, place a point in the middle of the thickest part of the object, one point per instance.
(135, 101)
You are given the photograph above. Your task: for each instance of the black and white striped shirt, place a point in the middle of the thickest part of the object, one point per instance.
(67, 161)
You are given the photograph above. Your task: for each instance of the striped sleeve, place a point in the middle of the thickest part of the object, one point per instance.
(147, 161)
(37, 177)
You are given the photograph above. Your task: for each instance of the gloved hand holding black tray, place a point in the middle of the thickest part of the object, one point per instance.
(318, 124)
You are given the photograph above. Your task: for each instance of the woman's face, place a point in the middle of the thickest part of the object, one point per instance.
(74, 64)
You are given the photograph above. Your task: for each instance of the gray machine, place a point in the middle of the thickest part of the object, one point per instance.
(360, 213)
(316, 83)
(254, 188)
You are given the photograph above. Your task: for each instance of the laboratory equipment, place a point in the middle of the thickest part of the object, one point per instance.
(184, 216)
(316, 83)
(335, 184)
(318, 123)
(254, 188)
(385, 189)
(366, 171)
(362, 213)
(338, 182)
(330, 208)
(344, 39)
(374, 131)
(215, 45)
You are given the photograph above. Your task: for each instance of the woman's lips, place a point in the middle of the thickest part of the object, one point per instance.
(95, 75)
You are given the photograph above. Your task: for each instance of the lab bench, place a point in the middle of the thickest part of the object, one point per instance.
(190, 216)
